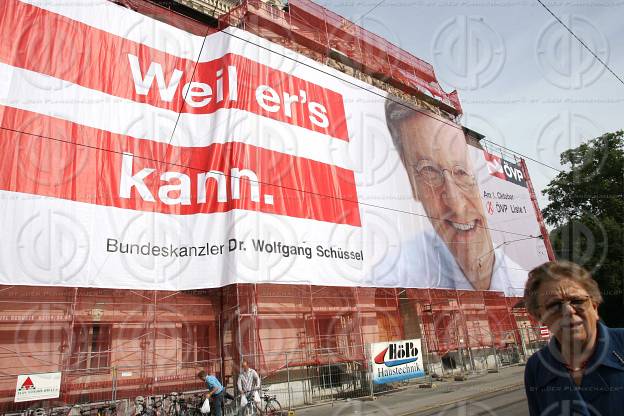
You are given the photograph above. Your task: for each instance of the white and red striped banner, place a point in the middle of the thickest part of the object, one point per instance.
(110, 64)
(96, 162)
(136, 155)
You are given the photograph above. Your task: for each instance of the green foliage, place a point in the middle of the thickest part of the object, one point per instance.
(586, 209)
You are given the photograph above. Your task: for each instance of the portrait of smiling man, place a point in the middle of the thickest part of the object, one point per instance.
(459, 253)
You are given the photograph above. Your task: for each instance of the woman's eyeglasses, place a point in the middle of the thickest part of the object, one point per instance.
(556, 307)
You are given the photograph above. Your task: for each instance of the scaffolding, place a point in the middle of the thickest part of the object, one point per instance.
(316, 32)
(111, 343)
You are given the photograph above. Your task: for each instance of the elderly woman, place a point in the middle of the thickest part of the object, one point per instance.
(581, 370)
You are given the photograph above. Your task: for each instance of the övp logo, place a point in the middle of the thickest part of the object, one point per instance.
(397, 354)
(504, 169)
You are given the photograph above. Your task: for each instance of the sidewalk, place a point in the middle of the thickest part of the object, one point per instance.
(413, 399)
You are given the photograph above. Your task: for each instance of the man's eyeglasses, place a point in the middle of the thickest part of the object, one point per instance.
(434, 176)
(556, 307)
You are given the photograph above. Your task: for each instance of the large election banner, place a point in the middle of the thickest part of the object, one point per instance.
(136, 155)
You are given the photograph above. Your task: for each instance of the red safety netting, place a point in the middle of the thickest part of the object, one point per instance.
(159, 339)
(313, 30)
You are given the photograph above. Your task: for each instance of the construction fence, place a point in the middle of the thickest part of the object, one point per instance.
(309, 343)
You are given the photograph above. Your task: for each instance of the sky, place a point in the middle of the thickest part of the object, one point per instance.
(523, 80)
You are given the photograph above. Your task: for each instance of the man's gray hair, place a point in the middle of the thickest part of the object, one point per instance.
(397, 111)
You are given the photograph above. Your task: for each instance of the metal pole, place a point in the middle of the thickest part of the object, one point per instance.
(524, 350)
(154, 338)
(369, 357)
(494, 350)
(471, 358)
(459, 349)
(288, 378)
(331, 383)
(256, 333)
(466, 336)
(114, 383)
(65, 360)
(239, 336)
(359, 321)
(219, 335)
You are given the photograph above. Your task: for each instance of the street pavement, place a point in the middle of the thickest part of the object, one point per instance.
(504, 402)
(489, 394)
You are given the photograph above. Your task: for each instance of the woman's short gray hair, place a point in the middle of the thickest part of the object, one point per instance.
(556, 271)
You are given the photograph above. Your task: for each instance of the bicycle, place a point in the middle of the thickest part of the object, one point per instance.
(177, 405)
(107, 409)
(40, 411)
(271, 405)
(156, 406)
(230, 406)
(250, 408)
(150, 406)
(61, 411)
(141, 408)
(193, 404)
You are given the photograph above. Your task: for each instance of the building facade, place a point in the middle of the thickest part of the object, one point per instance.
(121, 343)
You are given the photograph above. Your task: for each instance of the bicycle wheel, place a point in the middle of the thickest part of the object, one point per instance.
(249, 410)
(192, 411)
(273, 407)
(173, 410)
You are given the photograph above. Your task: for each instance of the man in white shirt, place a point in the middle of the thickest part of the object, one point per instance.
(249, 380)
(425, 261)
(460, 254)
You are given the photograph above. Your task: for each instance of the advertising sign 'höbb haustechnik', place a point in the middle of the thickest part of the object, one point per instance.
(396, 361)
